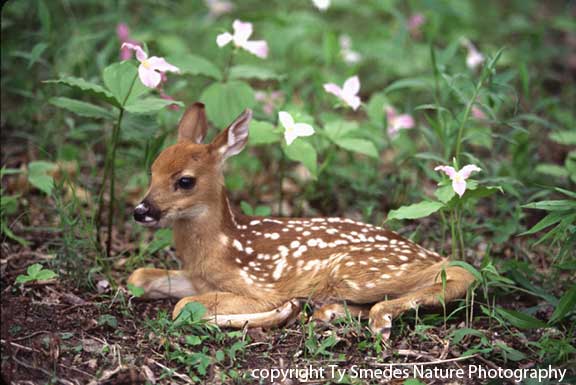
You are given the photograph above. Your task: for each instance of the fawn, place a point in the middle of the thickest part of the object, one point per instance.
(253, 270)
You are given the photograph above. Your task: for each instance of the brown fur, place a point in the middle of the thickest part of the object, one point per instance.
(236, 264)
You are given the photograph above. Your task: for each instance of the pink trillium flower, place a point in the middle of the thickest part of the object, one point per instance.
(414, 23)
(293, 130)
(269, 100)
(242, 32)
(458, 177)
(348, 93)
(218, 7)
(474, 58)
(477, 113)
(397, 122)
(348, 54)
(123, 33)
(151, 68)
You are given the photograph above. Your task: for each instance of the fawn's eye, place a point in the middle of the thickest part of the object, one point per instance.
(186, 182)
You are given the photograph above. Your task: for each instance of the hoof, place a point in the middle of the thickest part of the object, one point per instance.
(382, 326)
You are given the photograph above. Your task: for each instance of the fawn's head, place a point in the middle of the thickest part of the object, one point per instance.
(187, 178)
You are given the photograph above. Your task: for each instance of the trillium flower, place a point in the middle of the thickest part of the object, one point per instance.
(348, 54)
(474, 58)
(348, 93)
(414, 23)
(397, 122)
(458, 177)
(242, 32)
(123, 33)
(218, 7)
(293, 130)
(151, 68)
(322, 5)
(269, 100)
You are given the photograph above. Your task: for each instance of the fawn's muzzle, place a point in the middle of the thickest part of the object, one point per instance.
(146, 213)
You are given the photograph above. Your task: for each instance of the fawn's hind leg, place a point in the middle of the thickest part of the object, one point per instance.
(236, 311)
(332, 311)
(457, 282)
(160, 283)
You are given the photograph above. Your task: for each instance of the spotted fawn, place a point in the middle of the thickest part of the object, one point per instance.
(253, 271)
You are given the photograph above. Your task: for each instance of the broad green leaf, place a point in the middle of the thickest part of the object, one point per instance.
(567, 138)
(195, 65)
(571, 194)
(33, 270)
(552, 205)
(135, 290)
(87, 88)
(44, 275)
(416, 210)
(375, 109)
(193, 340)
(191, 313)
(361, 146)
(253, 72)
(150, 105)
(246, 208)
(445, 193)
(552, 170)
(36, 53)
(415, 83)
(480, 191)
(123, 82)
(566, 305)
(38, 176)
(302, 151)
(263, 133)
(339, 129)
(226, 101)
(459, 334)
(520, 320)
(81, 108)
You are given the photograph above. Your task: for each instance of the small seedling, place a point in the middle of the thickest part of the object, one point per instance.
(36, 272)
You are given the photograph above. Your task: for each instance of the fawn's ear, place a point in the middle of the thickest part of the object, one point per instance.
(233, 139)
(193, 125)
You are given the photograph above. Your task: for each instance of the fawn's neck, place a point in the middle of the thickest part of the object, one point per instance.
(200, 239)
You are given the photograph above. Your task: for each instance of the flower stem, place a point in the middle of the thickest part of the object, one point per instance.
(229, 66)
(466, 116)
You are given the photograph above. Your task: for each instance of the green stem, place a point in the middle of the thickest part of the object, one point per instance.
(453, 233)
(280, 181)
(229, 66)
(465, 118)
(460, 234)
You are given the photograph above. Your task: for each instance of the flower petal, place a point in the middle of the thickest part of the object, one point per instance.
(459, 186)
(351, 86)
(257, 47)
(242, 31)
(223, 39)
(403, 121)
(448, 170)
(149, 77)
(140, 54)
(289, 136)
(303, 129)
(353, 102)
(160, 64)
(286, 119)
(467, 170)
(333, 89)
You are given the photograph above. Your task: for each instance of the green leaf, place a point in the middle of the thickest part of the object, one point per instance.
(81, 108)
(150, 105)
(567, 138)
(193, 340)
(361, 146)
(44, 275)
(253, 72)
(520, 320)
(459, 334)
(480, 191)
(87, 88)
(108, 320)
(445, 193)
(226, 101)
(547, 221)
(566, 305)
(38, 175)
(552, 170)
(262, 211)
(552, 205)
(246, 208)
(195, 65)
(302, 151)
(469, 268)
(340, 129)
(191, 313)
(263, 133)
(24, 278)
(135, 290)
(123, 82)
(416, 210)
(33, 270)
(36, 53)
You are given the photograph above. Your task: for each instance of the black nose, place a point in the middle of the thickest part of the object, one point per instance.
(146, 212)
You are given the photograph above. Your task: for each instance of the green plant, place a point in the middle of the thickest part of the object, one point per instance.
(36, 272)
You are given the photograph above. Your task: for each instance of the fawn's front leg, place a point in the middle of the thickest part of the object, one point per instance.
(160, 283)
(232, 310)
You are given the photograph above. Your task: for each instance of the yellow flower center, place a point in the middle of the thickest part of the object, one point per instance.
(146, 64)
(458, 178)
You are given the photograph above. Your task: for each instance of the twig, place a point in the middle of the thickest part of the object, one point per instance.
(173, 372)
(420, 354)
(50, 375)
(106, 375)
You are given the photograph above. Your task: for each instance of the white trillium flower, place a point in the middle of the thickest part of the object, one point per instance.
(458, 177)
(322, 5)
(242, 32)
(293, 130)
(348, 93)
